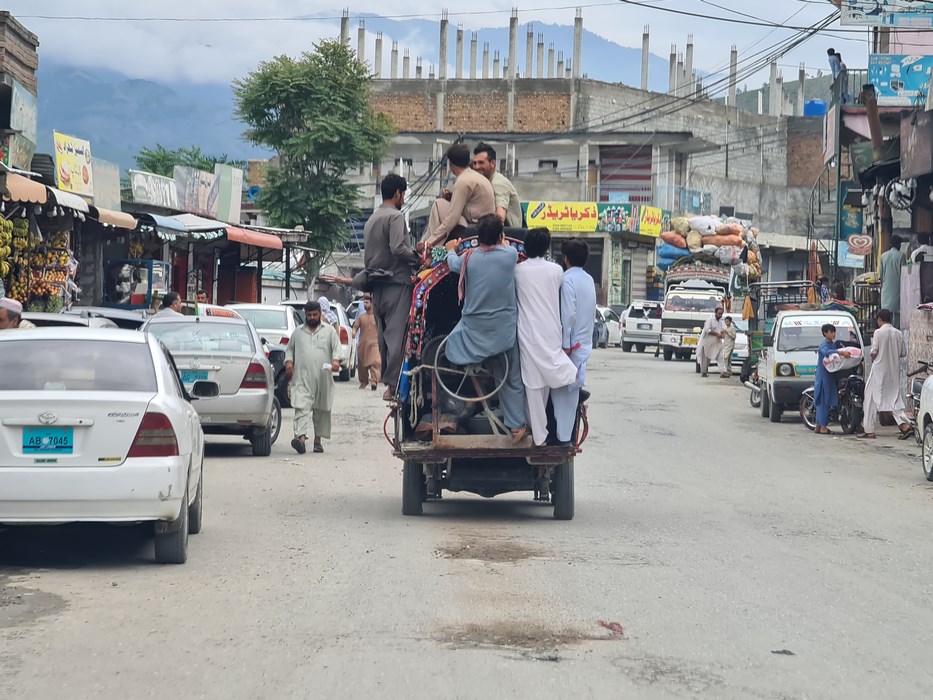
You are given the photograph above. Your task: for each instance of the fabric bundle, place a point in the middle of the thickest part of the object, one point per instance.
(729, 241)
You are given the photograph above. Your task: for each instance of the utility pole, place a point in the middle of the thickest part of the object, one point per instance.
(837, 224)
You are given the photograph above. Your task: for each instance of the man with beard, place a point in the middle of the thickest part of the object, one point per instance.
(312, 356)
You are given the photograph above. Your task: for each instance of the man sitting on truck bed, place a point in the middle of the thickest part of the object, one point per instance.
(472, 198)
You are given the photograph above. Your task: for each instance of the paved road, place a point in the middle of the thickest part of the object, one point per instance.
(742, 559)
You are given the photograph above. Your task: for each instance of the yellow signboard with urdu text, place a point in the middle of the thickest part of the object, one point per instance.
(649, 221)
(74, 171)
(576, 217)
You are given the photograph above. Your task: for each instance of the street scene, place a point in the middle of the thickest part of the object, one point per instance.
(425, 361)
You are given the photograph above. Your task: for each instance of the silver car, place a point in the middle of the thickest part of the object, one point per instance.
(344, 330)
(274, 322)
(229, 352)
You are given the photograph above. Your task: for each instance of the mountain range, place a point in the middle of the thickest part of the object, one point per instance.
(120, 115)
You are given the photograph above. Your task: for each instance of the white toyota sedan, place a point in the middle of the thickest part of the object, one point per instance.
(97, 427)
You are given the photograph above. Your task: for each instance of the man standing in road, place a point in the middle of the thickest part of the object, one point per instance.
(577, 318)
(710, 345)
(472, 198)
(891, 262)
(313, 354)
(390, 261)
(883, 388)
(11, 315)
(728, 344)
(367, 353)
(508, 206)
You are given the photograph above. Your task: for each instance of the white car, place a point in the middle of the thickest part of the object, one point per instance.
(740, 351)
(98, 428)
(613, 325)
(641, 325)
(344, 329)
(274, 323)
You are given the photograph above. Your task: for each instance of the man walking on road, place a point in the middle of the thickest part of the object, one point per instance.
(883, 388)
(389, 255)
(577, 318)
(891, 262)
(710, 345)
(312, 356)
(369, 361)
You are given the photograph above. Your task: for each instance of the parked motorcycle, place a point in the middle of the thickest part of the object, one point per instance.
(848, 412)
(912, 394)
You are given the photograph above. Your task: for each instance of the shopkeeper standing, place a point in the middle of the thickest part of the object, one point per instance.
(11, 315)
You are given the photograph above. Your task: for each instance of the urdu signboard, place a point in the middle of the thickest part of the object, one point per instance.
(154, 190)
(903, 14)
(74, 168)
(900, 81)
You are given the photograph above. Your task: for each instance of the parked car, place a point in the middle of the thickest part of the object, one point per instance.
(641, 325)
(354, 308)
(45, 320)
(227, 351)
(600, 331)
(613, 326)
(344, 329)
(130, 319)
(101, 432)
(274, 322)
(740, 351)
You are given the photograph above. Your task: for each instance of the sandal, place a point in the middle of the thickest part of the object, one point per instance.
(825, 432)
(518, 434)
(906, 434)
(866, 436)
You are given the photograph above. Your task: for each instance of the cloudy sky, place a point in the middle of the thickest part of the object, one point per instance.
(163, 41)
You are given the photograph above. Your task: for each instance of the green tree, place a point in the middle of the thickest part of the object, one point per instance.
(162, 161)
(314, 112)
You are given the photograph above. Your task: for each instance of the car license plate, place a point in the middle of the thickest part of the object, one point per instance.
(48, 441)
(190, 376)
(644, 326)
(690, 341)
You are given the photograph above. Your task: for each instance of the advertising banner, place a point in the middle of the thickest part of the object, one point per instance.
(632, 218)
(576, 217)
(197, 191)
(153, 189)
(900, 81)
(106, 184)
(74, 169)
(906, 14)
(845, 258)
(16, 151)
(24, 112)
(230, 195)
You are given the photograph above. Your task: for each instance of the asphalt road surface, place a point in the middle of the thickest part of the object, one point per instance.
(713, 554)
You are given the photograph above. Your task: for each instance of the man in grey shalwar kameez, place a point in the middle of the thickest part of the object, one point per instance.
(312, 356)
(487, 324)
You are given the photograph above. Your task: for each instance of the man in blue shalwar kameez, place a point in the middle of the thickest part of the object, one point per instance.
(825, 392)
(487, 324)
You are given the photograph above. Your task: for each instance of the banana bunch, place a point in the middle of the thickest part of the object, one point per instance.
(59, 239)
(136, 249)
(6, 238)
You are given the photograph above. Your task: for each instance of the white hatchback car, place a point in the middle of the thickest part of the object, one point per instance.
(97, 428)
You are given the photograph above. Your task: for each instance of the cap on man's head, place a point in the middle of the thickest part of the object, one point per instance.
(11, 305)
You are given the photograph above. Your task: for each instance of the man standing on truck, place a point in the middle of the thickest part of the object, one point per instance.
(891, 262)
(577, 318)
(710, 345)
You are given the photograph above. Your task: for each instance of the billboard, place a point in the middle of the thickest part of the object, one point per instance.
(156, 190)
(16, 151)
(632, 218)
(24, 112)
(106, 184)
(74, 169)
(900, 81)
(906, 14)
(230, 194)
(197, 191)
(575, 217)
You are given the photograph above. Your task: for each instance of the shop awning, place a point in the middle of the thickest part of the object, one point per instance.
(114, 218)
(254, 238)
(69, 201)
(195, 223)
(22, 189)
(168, 228)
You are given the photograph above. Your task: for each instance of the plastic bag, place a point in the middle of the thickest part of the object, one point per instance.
(666, 250)
(704, 225)
(680, 224)
(694, 241)
(674, 238)
(837, 362)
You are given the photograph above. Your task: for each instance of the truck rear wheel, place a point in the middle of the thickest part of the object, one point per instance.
(412, 487)
(668, 354)
(765, 403)
(626, 347)
(563, 492)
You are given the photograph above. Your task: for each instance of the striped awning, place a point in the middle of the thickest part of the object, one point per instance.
(69, 200)
(22, 189)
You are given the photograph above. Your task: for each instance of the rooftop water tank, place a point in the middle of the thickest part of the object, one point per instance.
(814, 108)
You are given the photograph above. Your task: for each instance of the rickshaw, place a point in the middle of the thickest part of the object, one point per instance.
(448, 428)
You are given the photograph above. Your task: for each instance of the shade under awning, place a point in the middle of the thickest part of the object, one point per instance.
(254, 238)
(22, 189)
(69, 200)
(114, 218)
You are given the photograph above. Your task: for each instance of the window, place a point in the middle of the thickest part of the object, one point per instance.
(547, 165)
(204, 337)
(266, 318)
(88, 365)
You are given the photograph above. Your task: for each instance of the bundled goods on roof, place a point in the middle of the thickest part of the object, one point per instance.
(726, 241)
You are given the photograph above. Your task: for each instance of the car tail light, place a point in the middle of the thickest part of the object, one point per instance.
(255, 377)
(155, 438)
(344, 336)
(284, 340)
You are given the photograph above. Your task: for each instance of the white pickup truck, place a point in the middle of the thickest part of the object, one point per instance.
(686, 308)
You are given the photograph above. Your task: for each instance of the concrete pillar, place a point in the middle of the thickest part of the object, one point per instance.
(560, 64)
(733, 73)
(681, 78)
(578, 44)
(761, 107)
(378, 58)
(513, 43)
(393, 61)
(672, 80)
(458, 55)
(505, 67)
(345, 28)
(361, 42)
(584, 168)
(495, 65)
(801, 90)
(568, 71)
(473, 43)
(485, 59)
(406, 65)
(540, 71)
(645, 52)
(442, 47)
(779, 90)
(418, 68)
(431, 72)
(530, 52)
(550, 60)
(774, 99)
(688, 67)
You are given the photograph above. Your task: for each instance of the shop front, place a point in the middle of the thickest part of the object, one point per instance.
(634, 231)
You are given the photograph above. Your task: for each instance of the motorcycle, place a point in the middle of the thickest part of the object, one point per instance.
(848, 413)
(749, 377)
(912, 394)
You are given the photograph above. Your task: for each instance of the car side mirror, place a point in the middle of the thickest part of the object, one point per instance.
(205, 390)
(767, 341)
(263, 341)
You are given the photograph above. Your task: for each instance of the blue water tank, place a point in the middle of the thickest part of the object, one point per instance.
(814, 108)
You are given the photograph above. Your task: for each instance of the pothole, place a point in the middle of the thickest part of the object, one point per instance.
(21, 605)
(514, 635)
(487, 550)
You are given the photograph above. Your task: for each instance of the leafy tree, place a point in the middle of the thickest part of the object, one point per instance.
(162, 161)
(314, 112)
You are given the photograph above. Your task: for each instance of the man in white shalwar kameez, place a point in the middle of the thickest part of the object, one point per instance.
(883, 388)
(312, 356)
(710, 345)
(545, 365)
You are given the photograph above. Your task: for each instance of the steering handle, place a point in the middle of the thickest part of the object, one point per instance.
(924, 366)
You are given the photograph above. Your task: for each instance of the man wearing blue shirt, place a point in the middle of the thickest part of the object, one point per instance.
(577, 317)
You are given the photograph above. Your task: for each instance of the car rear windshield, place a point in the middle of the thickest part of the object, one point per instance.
(650, 312)
(693, 303)
(266, 318)
(796, 335)
(85, 365)
(204, 337)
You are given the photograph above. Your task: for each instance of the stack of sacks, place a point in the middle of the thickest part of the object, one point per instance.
(730, 241)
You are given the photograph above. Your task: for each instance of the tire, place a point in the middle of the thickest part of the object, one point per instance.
(807, 410)
(754, 398)
(684, 356)
(850, 416)
(927, 458)
(261, 443)
(697, 367)
(344, 375)
(276, 427)
(627, 347)
(765, 403)
(281, 390)
(777, 412)
(563, 492)
(668, 354)
(196, 509)
(640, 347)
(412, 488)
(353, 371)
(172, 547)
